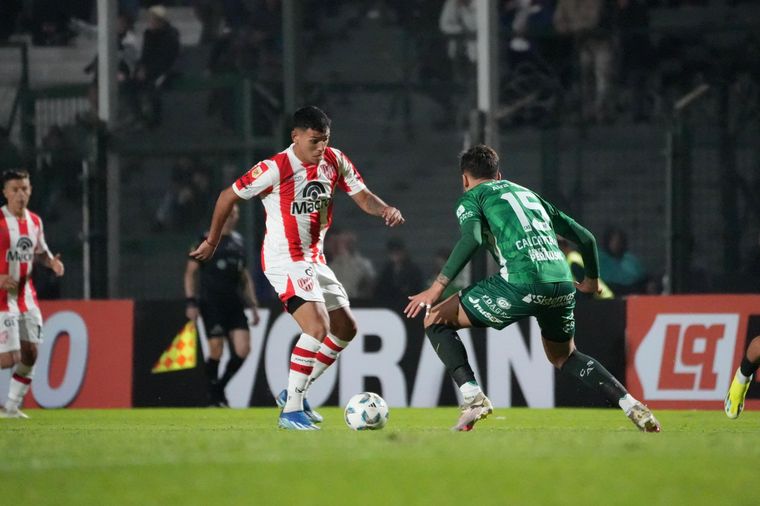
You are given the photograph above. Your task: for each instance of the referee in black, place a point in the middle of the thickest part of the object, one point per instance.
(220, 293)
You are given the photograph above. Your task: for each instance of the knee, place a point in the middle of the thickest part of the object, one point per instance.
(215, 348)
(318, 328)
(558, 358)
(345, 331)
(242, 349)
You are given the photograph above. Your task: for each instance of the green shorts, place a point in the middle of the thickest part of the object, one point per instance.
(495, 303)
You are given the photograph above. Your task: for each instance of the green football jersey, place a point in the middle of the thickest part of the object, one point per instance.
(518, 230)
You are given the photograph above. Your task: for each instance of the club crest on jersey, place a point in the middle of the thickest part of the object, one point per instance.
(306, 284)
(327, 171)
(23, 252)
(313, 198)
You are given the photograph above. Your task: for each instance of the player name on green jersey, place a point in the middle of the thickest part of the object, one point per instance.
(518, 229)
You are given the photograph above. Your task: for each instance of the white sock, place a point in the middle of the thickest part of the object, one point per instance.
(301, 365)
(21, 380)
(742, 378)
(627, 402)
(326, 356)
(469, 391)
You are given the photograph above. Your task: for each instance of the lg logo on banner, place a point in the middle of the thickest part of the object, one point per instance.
(687, 356)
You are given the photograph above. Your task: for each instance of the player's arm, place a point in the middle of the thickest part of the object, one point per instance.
(249, 293)
(572, 230)
(52, 262)
(465, 248)
(191, 289)
(375, 206)
(222, 209)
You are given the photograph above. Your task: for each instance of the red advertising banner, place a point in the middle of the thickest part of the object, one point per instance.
(85, 360)
(683, 351)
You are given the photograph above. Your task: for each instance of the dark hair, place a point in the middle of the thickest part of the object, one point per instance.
(311, 117)
(12, 174)
(480, 161)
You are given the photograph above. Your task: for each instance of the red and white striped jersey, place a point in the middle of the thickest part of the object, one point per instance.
(20, 240)
(298, 200)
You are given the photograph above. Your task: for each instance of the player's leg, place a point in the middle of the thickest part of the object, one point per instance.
(30, 335)
(441, 327)
(342, 322)
(557, 324)
(299, 290)
(240, 344)
(215, 336)
(734, 404)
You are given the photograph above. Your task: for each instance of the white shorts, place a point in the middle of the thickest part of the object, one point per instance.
(310, 281)
(30, 326)
(9, 340)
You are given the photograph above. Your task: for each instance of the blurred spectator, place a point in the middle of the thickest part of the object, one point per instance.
(589, 23)
(10, 157)
(355, 271)
(400, 276)
(10, 10)
(266, 33)
(459, 24)
(188, 198)
(159, 54)
(621, 269)
(49, 23)
(59, 168)
(575, 261)
(458, 21)
(636, 57)
(210, 14)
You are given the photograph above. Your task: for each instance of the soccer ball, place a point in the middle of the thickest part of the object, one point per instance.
(366, 411)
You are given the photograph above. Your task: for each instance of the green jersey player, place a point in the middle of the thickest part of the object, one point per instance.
(520, 230)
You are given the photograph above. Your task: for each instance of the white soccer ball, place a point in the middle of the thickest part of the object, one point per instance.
(366, 411)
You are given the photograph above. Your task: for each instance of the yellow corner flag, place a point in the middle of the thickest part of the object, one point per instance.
(182, 353)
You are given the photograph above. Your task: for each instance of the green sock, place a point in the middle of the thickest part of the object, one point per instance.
(451, 351)
(594, 375)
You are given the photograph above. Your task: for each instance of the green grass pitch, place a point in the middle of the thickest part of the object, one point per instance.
(517, 457)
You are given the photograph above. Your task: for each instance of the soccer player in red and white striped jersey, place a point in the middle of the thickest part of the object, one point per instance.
(296, 187)
(22, 242)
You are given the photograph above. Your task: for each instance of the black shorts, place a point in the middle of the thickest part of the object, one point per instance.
(220, 318)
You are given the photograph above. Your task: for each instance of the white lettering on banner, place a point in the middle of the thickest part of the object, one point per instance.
(431, 373)
(356, 364)
(59, 323)
(507, 353)
(687, 356)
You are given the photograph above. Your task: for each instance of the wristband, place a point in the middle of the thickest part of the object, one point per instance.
(191, 301)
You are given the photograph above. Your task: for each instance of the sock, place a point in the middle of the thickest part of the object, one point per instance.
(233, 365)
(301, 365)
(594, 375)
(212, 370)
(326, 356)
(20, 383)
(627, 402)
(747, 369)
(452, 352)
(469, 391)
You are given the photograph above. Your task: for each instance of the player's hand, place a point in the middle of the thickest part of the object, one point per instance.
(7, 283)
(192, 312)
(423, 300)
(588, 285)
(57, 266)
(255, 318)
(392, 217)
(204, 251)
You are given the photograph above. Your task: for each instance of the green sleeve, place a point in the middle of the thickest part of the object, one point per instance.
(467, 245)
(570, 229)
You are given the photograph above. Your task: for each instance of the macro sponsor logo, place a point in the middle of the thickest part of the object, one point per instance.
(463, 214)
(485, 314)
(313, 198)
(23, 252)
